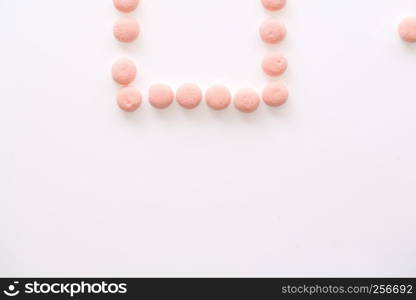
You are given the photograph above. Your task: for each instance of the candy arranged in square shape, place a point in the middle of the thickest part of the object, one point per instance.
(189, 96)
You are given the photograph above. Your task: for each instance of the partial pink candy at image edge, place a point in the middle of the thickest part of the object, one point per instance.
(273, 5)
(407, 29)
(126, 6)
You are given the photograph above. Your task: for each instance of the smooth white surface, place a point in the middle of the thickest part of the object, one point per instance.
(325, 186)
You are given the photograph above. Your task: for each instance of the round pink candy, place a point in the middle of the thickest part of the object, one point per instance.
(218, 97)
(189, 96)
(407, 29)
(124, 71)
(160, 96)
(274, 64)
(129, 99)
(126, 5)
(275, 94)
(246, 100)
(273, 4)
(272, 31)
(126, 29)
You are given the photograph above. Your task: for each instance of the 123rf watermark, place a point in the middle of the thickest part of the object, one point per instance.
(63, 288)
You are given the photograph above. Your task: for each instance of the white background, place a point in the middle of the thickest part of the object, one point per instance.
(325, 186)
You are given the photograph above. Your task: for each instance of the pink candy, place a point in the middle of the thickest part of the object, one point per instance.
(218, 97)
(189, 96)
(274, 64)
(275, 94)
(129, 99)
(126, 30)
(160, 96)
(273, 4)
(124, 71)
(272, 31)
(246, 100)
(126, 6)
(407, 29)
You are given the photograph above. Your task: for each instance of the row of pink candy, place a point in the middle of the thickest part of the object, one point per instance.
(273, 32)
(189, 96)
(274, 64)
(126, 30)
